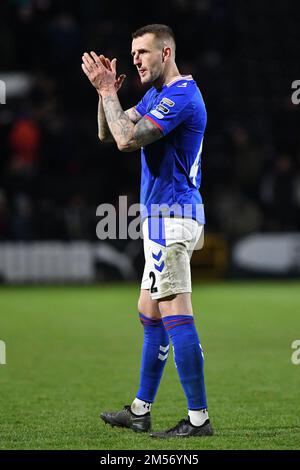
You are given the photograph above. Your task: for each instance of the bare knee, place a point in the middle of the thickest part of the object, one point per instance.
(178, 304)
(147, 306)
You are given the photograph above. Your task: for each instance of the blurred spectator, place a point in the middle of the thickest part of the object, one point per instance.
(247, 162)
(24, 142)
(279, 194)
(237, 215)
(76, 218)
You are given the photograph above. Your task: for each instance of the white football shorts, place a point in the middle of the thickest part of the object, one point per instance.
(168, 247)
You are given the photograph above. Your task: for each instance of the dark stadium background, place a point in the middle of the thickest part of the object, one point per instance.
(53, 170)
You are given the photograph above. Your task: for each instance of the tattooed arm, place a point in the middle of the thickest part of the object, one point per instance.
(93, 66)
(103, 129)
(104, 133)
(128, 135)
(129, 129)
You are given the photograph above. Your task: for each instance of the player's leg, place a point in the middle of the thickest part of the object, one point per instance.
(178, 319)
(173, 292)
(154, 353)
(147, 306)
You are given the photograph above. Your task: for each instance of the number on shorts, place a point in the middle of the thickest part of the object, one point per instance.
(153, 289)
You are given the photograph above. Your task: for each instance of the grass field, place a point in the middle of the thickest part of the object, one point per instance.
(75, 351)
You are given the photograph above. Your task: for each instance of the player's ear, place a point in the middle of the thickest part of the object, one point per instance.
(166, 53)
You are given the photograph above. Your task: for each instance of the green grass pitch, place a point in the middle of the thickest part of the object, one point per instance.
(72, 352)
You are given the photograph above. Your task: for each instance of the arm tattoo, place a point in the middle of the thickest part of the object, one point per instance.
(118, 122)
(129, 137)
(133, 115)
(104, 133)
(145, 132)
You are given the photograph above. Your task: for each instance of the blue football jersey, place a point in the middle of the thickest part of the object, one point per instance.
(171, 166)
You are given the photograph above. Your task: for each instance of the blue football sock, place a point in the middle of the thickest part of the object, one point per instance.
(188, 358)
(154, 356)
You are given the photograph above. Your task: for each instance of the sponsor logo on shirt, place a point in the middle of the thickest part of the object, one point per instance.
(162, 108)
(157, 114)
(168, 102)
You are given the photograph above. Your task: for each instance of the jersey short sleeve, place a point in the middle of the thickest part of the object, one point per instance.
(142, 105)
(173, 107)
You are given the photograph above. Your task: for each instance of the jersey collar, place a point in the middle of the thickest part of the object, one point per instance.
(179, 77)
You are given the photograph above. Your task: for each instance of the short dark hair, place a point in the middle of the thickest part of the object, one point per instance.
(161, 31)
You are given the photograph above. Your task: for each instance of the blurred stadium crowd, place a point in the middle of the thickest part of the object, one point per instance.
(53, 170)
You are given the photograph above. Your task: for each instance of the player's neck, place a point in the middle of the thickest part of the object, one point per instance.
(167, 77)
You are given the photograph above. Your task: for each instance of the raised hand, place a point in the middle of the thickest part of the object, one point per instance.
(101, 71)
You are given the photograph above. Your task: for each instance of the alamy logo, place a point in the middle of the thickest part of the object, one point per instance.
(296, 94)
(296, 354)
(125, 222)
(2, 353)
(2, 92)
